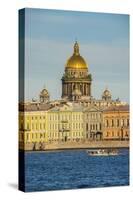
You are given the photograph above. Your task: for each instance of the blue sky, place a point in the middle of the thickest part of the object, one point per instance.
(103, 40)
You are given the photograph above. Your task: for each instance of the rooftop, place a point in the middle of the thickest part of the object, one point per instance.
(117, 108)
(34, 107)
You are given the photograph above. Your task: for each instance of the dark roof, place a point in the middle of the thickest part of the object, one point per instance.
(117, 108)
(34, 107)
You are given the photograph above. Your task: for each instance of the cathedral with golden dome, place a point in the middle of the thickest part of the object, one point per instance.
(76, 86)
(76, 81)
(76, 117)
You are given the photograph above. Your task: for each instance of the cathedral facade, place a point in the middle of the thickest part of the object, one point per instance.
(76, 81)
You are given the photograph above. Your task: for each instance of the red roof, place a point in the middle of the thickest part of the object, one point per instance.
(117, 108)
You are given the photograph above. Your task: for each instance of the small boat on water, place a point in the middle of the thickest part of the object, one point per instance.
(103, 152)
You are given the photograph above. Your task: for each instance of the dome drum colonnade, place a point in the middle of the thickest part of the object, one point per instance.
(76, 81)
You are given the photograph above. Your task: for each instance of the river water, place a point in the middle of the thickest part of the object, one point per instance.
(74, 169)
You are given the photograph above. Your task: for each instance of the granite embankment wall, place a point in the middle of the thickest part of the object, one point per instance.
(78, 145)
(87, 145)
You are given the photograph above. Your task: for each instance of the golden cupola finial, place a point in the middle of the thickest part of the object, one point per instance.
(76, 48)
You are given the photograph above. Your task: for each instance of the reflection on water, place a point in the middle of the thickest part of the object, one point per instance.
(75, 169)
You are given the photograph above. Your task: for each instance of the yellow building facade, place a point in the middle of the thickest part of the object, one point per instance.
(33, 126)
(53, 125)
(42, 124)
(65, 123)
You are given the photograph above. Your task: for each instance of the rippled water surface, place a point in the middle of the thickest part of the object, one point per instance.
(75, 169)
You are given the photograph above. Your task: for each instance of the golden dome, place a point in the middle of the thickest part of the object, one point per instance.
(76, 61)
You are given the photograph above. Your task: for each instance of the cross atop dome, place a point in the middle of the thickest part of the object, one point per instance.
(76, 48)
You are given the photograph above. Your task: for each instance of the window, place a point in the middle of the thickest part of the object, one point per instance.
(118, 122)
(87, 127)
(126, 134)
(107, 123)
(27, 136)
(107, 135)
(112, 123)
(28, 126)
(100, 126)
(22, 136)
(112, 133)
(127, 122)
(21, 125)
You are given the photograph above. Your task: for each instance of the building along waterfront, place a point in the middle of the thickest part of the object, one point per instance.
(77, 119)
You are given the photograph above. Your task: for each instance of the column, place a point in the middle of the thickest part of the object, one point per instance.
(62, 89)
(65, 89)
(82, 89)
(87, 89)
(71, 89)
